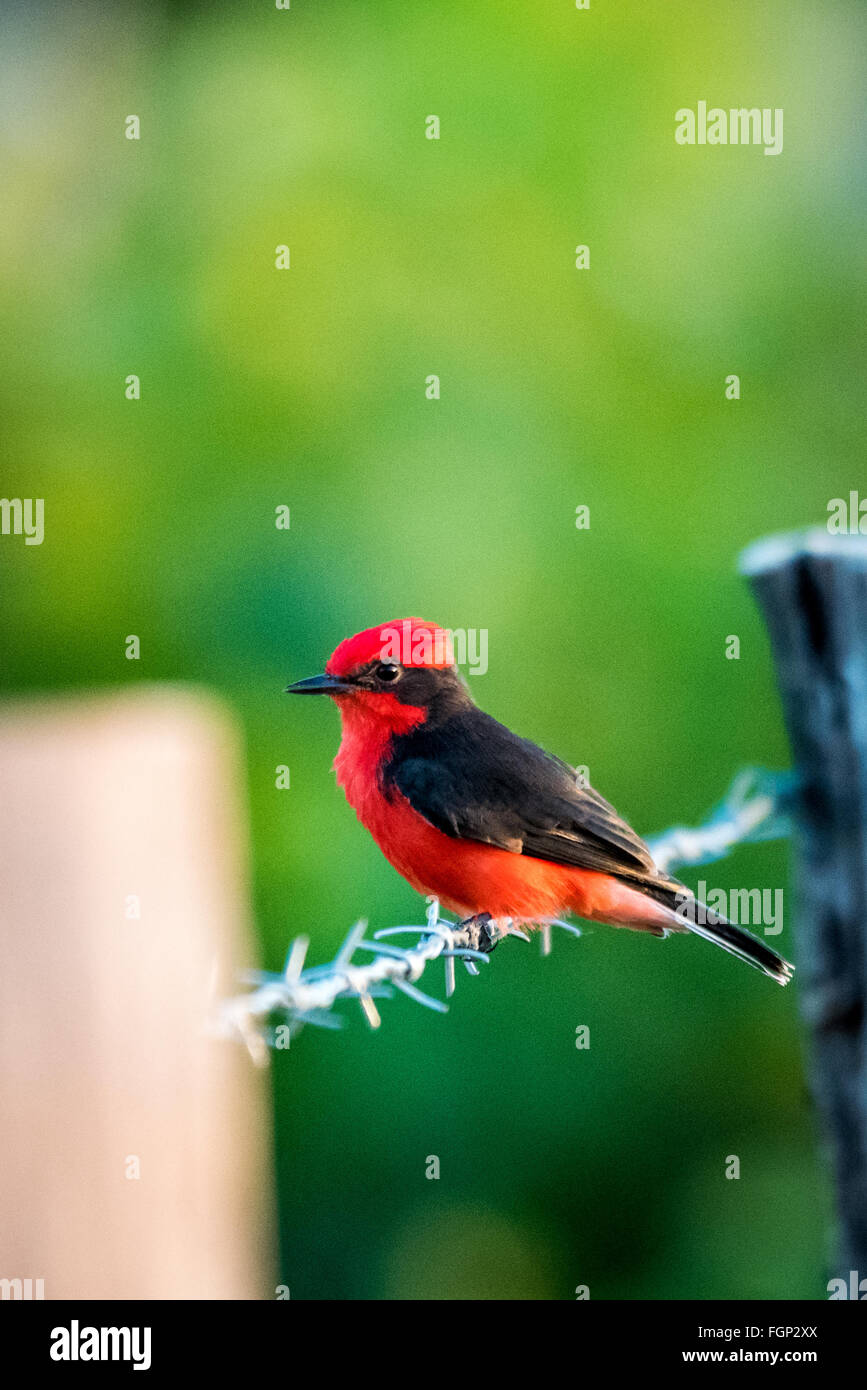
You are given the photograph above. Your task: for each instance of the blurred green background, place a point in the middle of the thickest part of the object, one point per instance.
(305, 387)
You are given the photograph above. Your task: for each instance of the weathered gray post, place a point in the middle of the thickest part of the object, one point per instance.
(812, 587)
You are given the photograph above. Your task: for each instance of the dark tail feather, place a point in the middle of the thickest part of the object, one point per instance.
(736, 940)
(745, 946)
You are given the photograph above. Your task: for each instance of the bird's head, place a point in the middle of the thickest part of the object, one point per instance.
(396, 674)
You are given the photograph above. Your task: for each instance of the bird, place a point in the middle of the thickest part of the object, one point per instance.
(488, 823)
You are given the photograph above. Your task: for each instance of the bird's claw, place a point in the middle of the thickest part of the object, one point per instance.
(482, 932)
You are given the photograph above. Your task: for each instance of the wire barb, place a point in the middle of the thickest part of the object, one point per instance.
(755, 807)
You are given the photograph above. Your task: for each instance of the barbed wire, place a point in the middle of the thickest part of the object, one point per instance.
(755, 807)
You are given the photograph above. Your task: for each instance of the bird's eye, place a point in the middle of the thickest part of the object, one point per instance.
(387, 672)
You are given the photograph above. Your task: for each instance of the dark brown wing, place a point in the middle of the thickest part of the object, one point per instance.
(474, 779)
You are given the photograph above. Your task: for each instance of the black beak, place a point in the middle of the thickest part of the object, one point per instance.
(318, 685)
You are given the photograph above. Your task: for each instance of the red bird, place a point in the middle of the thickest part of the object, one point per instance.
(489, 823)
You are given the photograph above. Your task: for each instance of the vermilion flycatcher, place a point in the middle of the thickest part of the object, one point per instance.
(489, 823)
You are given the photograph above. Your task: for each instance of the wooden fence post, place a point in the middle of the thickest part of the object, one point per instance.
(134, 1147)
(812, 587)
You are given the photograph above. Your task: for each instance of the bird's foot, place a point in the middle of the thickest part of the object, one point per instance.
(482, 931)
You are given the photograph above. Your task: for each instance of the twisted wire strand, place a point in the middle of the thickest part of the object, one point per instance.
(756, 807)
